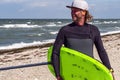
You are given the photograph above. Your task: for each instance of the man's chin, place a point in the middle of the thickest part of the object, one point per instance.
(74, 19)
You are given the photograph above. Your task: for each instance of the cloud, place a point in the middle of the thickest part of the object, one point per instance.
(12, 1)
(44, 3)
(33, 3)
(21, 10)
(38, 4)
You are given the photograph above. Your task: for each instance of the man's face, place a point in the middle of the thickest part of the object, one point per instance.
(77, 14)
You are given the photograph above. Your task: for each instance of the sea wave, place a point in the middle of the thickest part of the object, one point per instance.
(13, 32)
(19, 26)
(51, 24)
(109, 33)
(34, 43)
(55, 32)
(31, 26)
(55, 24)
(105, 22)
(23, 44)
(35, 34)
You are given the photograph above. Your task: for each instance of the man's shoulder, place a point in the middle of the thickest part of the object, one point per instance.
(93, 27)
(67, 26)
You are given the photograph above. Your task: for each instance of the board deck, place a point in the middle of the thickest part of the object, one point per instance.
(75, 65)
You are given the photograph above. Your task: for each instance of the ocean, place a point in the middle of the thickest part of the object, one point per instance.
(18, 33)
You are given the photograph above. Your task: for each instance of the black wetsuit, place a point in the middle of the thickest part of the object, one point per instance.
(73, 31)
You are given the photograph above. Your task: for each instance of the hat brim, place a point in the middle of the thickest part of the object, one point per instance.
(69, 6)
(72, 7)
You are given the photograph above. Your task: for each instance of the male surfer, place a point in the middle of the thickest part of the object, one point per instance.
(79, 35)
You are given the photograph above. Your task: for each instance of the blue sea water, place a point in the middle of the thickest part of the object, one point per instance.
(15, 33)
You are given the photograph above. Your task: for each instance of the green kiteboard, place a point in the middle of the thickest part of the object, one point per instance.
(75, 65)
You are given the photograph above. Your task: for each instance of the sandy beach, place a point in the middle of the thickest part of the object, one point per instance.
(38, 54)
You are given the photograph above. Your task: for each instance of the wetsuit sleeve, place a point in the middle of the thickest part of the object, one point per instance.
(101, 51)
(56, 52)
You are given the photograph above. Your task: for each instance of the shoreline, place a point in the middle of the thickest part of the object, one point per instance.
(36, 54)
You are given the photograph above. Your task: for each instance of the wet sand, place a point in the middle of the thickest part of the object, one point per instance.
(37, 54)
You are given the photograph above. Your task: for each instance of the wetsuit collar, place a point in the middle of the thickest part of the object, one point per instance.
(75, 24)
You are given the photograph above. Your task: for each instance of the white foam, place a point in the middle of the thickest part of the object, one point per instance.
(112, 22)
(111, 32)
(23, 44)
(117, 27)
(35, 34)
(28, 22)
(105, 22)
(59, 22)
(55, 32)
(19, 26)
(51, 24)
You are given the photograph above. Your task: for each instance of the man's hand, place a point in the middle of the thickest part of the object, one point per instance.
(59, 78)
(113, 75)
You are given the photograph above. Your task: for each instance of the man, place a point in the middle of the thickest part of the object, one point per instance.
(77, 34)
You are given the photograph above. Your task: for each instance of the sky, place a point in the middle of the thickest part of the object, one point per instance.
(47, 9)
